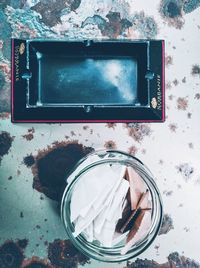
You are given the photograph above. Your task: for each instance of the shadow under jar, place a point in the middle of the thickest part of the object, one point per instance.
(111, 207)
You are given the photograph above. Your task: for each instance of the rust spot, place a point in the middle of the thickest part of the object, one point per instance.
(111, 125)
(182, 104)
(168, 193)
(184, 80)
(73, 133)
(144, 264)
(173, 127)
(5, 76)
(36, 262)
(175, 82)
(172, 13)
(168, 60)
(11, 255)
(132, 150)
(73, 4)
(168, 85)
(195, 70)
(170, 97)
(63, 254)
(29, 136)
(29, 160)
(21, 214)
(145, 25)
(112, 28)
(197, 96)
(191, 146)
(54, 164)
(110, 145)
(85, 127)
(51, 10)
(22, 243)
(4, 115)
(138, 131)
(186, 170)
(5, 143)
(174, 260)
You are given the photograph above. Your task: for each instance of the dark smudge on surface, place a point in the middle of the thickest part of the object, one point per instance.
(5, 143)
(54, 164)
(174, 261)
(11, 253)
(63, 254)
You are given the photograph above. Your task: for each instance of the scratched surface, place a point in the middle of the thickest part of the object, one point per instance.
(34, 157)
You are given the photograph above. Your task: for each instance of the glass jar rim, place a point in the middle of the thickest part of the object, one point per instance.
(103, 253)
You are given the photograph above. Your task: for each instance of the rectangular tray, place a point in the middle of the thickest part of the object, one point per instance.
(93, 81)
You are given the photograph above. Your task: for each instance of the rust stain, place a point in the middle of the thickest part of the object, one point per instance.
(11, 253)
(110, 145)
(29, 160)
(133, 150)
(182, 104)
(138, 131)
(29, 136)
(4, 115)
(5, 143)
(111, 125)
(36, 262)
(112, 28)
(63, 254)
(195, 70)
(175, 260)
(53, 164)
(167, 224)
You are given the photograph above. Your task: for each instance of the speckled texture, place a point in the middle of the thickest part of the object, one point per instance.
(171, 150)
(63, 254)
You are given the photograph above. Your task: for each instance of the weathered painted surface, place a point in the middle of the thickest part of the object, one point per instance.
(31, 233)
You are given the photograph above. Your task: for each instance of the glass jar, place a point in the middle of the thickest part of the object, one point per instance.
(93, 249)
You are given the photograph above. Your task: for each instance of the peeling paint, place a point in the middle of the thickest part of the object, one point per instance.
(190, 5)
(114, 27)
(26, 24)
(4, 86)
(50, 11)
(145, 25)
(5, 31)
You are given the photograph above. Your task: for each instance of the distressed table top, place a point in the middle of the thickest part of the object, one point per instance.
(29, 153)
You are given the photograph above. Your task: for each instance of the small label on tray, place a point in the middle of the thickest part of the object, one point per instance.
(17, 63)
(159, 93)
(156, 102)
(19, 50)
